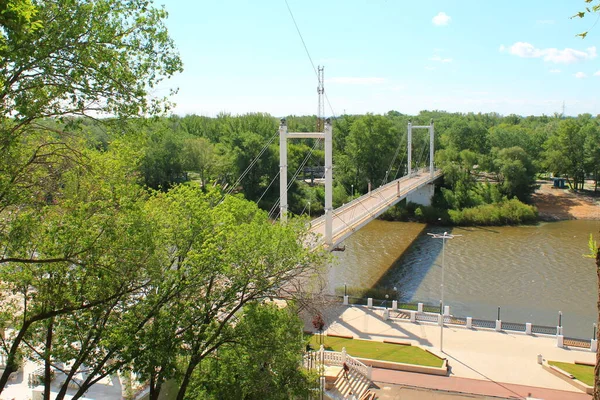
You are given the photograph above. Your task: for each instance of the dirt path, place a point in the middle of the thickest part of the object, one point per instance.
(561, 204)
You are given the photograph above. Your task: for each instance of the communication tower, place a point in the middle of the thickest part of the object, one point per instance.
(321, 91)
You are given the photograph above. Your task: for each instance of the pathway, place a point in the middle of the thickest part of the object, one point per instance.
(482, 355)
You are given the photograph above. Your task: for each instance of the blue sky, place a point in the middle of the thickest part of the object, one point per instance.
(506, 56)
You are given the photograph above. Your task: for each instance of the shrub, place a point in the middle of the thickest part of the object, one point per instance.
(508, 212)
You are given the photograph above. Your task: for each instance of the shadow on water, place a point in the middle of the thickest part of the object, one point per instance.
(413, 265)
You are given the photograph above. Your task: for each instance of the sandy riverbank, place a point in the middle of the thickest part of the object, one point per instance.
(562, 204)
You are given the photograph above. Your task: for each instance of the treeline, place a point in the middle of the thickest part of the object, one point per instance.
(486, 158)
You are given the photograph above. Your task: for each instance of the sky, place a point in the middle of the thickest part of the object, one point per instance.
(510, 57)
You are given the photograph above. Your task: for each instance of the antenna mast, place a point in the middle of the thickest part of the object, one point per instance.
(321, 110)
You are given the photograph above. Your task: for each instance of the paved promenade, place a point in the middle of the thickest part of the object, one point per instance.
(482, 355)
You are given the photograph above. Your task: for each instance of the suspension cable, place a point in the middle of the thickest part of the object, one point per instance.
(254, 161)
(291, 182)
(393, 161)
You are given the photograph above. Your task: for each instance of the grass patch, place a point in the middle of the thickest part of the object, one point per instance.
(379, 351)
(584, 373)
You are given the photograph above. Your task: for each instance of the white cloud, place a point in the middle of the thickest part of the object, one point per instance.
(440, 59)
(441, 19)
(355, 80)
(580, 75)
(502, 48)
(555, 71)
(554, 55)
(597, 73)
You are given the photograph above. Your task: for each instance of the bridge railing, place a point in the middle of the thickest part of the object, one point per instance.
(366, 196)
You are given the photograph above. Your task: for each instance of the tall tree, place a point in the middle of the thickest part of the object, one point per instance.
(61, 58)
(229, 255)
(263, 360)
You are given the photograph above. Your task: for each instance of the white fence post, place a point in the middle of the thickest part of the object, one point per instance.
(369, 372)
(446, 310)
(394, 304)
(528, 328)
(386, 314)
(419, 307)
(469, 322)
(413, 316)
(498, 325)
(593, 345)
(345, 300)
(343, 355)
(370, 302)
(560, 341)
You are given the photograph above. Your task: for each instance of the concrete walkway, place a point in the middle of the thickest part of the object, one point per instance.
(484, 355)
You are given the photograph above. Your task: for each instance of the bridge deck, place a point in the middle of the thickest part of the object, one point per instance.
(354, 215)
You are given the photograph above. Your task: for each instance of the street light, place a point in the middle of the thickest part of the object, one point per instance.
(444, 237)
(352, 195)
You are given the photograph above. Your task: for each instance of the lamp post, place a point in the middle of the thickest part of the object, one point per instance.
(309, 209)
(352, 195)
(444, 237)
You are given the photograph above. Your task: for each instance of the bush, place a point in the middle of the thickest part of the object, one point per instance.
(509, 212)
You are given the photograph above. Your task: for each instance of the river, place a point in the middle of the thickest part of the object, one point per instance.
(530, 272)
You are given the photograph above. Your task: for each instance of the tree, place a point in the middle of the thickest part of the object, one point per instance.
(60, 228)
(564, 152)
(516, 174)
(263, 360)
(229, 255)
(73, 261)
(201, 156)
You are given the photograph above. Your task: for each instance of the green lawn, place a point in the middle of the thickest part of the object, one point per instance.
(584, 373)
(379, 351)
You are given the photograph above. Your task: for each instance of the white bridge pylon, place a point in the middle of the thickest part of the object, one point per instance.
(284, 135)
(431, 145)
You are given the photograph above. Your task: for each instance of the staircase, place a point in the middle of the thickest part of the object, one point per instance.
(355, 385)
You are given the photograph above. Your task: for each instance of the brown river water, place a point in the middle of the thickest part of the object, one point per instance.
(530, 272)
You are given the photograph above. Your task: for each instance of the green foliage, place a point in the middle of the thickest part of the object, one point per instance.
(510, 212)
(263, 361)
(84, 57)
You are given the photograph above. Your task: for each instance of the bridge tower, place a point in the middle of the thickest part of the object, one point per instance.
(431, 146)
(284, 135)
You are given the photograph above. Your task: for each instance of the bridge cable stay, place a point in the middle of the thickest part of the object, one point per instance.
(308, 54)
(399, 166)
(291, 182)
(254, 161)
(385, 179)
(296, 174)
(268, 187)
(423, 151)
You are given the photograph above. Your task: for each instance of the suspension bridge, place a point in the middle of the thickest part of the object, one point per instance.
(338, 224)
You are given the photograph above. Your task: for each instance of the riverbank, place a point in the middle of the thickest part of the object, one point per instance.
(562, 204)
